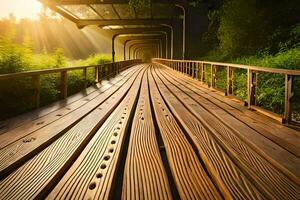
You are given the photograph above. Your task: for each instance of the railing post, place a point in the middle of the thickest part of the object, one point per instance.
(186, 68)
(64, 84)
(193, 70)
(287, 100)
(229, 81)
(36, 83)
(202, 72)
(251, 87)
(213, 75)
(85, 77)
(97, 74)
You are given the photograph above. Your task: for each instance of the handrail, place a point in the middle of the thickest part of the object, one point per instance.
(106, 70)
(196, 69)
(51, 71)
(241, 66)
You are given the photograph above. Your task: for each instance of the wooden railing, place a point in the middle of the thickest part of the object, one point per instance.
(102, 71)
(196, 69)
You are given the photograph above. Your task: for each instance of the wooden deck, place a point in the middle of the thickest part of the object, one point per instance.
(149, 133)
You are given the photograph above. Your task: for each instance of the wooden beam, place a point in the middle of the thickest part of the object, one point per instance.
(112, 22)
(78, 2)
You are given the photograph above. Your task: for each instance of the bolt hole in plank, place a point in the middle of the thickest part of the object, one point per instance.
(113, 142)
(59, 115)
(28, 140)
(92, 186)
(39, 123)
(103, 166)
(111, 150)
(99, 175)
(107, 157)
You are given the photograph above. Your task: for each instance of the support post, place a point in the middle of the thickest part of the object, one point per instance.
(251, 88)
(288, 96)
(64, 84)
(213, 76)
(229, 81)
(202, 72)
(85, 77)
(36, 83)
(97, 74)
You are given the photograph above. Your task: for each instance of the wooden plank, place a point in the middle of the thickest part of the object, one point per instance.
(93, 173)
(191, 180)
(286, 138)
(230, 180)
(19, 151)
(227, 130)
(52, 115)
(144, 175)
(40, 175)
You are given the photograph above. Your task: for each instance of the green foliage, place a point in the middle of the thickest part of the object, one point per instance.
(137, 5)
(238, 33)
(95, 59)
(13, 58)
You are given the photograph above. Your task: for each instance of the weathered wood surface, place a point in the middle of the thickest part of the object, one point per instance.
(149, 133)
(227, 132)
(144, 174)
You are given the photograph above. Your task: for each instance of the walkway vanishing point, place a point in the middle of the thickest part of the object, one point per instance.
(150, 132)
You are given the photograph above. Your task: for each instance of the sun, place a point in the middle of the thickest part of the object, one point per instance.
(29, 9)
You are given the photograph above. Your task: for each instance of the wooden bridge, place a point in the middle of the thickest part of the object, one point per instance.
(162, 129)
(148, 133)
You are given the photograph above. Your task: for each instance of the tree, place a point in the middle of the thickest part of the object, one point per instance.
(59, 58)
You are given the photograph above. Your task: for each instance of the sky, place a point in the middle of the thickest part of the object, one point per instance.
(20, 8)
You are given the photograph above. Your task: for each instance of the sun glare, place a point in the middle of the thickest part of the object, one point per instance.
(20, 8)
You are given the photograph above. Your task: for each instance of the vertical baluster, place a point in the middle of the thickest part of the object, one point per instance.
(202, 72)
(288, 96)
(229, 81)
(36, 83)
(213, 75)
(96, 74)
(193, 70)
(251, 87)
(85, 77)
(64, 84)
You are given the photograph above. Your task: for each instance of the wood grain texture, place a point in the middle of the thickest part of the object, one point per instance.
(282, 135)
(23, 149)
(93, 173)
(144, 175)
(190, 178)
(226, 175)
(36, 177)
(283, 148)
(226, 130)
